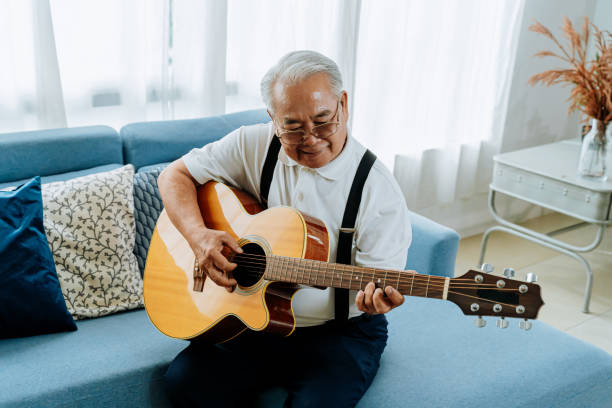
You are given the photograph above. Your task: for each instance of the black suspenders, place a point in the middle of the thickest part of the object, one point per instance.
(345, 237)
(268, 170)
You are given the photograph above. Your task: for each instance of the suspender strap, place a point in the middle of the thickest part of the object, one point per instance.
(345, 237)
(268, 169)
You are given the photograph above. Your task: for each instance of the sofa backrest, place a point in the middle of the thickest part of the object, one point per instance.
(151, 143)
(48, 152)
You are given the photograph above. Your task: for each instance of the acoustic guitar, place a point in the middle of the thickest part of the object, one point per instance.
(283, 249)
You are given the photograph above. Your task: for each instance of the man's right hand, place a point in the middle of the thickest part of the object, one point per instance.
(178, 190)
(208, 245)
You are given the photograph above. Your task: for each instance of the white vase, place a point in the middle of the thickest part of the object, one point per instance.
(595, 151)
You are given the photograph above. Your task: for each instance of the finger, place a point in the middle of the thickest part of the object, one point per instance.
(369, 291)
(231, 242)
(230, 289)
(359, 301)
(381, 304)
(219, 277)
(221, 262)
(394, 295)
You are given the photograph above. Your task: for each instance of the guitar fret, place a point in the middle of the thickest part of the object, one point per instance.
(286, 268)
(341, 276)
(413, 273)
(269, 271)
(295, 270)
(335, 278)
(309, 276)
(427, 287)
(322, 270)
(315, 267)
(277, 268)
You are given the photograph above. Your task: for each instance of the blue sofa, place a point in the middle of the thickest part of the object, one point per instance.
(435, 356)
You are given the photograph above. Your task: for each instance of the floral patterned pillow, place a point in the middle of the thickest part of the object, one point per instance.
(89, 223)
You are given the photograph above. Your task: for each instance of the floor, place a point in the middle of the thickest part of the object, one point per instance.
(562, 278)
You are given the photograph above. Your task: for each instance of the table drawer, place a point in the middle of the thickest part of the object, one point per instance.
(567, 198)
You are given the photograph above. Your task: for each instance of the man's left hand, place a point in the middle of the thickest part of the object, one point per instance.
(372, 300)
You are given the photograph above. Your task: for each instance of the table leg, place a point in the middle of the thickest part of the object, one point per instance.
(547, 241)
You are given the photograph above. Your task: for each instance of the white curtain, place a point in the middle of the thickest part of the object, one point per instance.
(427, 80)
(432, 88)
(30, 92)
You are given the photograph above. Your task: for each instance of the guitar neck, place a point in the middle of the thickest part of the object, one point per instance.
(318, 273)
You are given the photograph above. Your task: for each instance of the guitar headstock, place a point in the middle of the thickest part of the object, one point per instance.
(479, 293)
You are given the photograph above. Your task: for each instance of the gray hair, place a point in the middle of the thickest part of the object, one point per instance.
(299, 65)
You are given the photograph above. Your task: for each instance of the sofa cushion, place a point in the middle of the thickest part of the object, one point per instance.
(147, 206)
(437, 357)
(30, 294)
(89, 222)
(112, 361)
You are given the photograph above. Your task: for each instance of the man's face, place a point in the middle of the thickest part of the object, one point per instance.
(303, 105)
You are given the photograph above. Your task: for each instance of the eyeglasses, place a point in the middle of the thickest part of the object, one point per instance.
(322, 131)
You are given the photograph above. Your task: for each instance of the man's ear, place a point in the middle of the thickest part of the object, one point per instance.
(344, 99)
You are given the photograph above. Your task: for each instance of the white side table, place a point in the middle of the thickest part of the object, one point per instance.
(547, 176)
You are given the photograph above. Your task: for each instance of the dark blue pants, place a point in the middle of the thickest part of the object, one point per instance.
(324, 366)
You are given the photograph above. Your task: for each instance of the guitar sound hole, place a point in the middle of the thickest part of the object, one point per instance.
(251, 265)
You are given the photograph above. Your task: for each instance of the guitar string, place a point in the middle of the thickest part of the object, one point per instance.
(261, 257)
(405, 278)
(420, 286)
(340, 275)
(302, 269)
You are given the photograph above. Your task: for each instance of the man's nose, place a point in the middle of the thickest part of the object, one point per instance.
(309, 138)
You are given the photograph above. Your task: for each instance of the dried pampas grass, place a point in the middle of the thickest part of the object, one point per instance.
(592, 80)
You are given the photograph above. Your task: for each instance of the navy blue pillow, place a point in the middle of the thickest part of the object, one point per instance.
(31, 300)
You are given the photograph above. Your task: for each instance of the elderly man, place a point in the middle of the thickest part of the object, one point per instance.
(333, 355)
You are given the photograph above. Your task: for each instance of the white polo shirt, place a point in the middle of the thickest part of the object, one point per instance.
(383, 231)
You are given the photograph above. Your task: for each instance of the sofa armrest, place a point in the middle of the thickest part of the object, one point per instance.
(433, 249)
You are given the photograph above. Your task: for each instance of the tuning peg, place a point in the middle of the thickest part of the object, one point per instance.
(509, 273)
(531, 277)
(525, 324)
(502, 323)
(487, 268)
(480, 322)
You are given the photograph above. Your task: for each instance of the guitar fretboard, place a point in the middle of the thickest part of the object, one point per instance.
(318, 273)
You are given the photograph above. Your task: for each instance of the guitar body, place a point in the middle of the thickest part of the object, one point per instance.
(173, 299)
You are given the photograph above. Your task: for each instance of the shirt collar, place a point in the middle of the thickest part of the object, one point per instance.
(332, 170)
